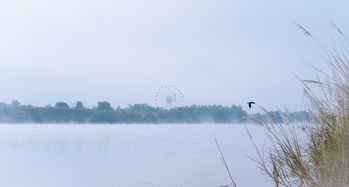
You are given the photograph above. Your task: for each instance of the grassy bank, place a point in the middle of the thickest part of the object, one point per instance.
(314, 153)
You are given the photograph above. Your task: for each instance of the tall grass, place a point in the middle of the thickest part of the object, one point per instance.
(316, 153)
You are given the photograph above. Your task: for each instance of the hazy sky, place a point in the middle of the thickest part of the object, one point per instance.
(216, 51)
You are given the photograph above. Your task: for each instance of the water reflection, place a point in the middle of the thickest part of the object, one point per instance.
(123, 156)
(78, 145)
(103, 145)
(60, 144)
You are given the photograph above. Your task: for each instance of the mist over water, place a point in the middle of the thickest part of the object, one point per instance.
(126, 155)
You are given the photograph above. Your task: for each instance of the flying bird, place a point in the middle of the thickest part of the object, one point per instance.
(250, 104)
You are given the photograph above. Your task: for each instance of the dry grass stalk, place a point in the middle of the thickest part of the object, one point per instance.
(315, 154)
(224, 163)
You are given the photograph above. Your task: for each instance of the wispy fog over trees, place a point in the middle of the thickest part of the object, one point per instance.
(61, 112)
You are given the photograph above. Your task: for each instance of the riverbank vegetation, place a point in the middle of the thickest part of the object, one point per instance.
(314, 154)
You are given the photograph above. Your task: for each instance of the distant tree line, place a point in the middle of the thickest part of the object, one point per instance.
(61, 112)
(278, 116)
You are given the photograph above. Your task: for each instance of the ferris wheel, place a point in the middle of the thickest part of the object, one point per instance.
(168, 97)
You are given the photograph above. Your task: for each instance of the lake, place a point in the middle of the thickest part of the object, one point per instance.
(127, 155)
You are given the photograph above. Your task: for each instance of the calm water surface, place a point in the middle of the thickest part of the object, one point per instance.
(126, 155)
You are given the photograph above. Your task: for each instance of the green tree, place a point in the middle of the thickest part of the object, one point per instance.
(104, 105)
(15, 103)
(62, 105)
(79, 105)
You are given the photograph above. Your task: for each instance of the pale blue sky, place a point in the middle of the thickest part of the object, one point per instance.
(215, 51)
